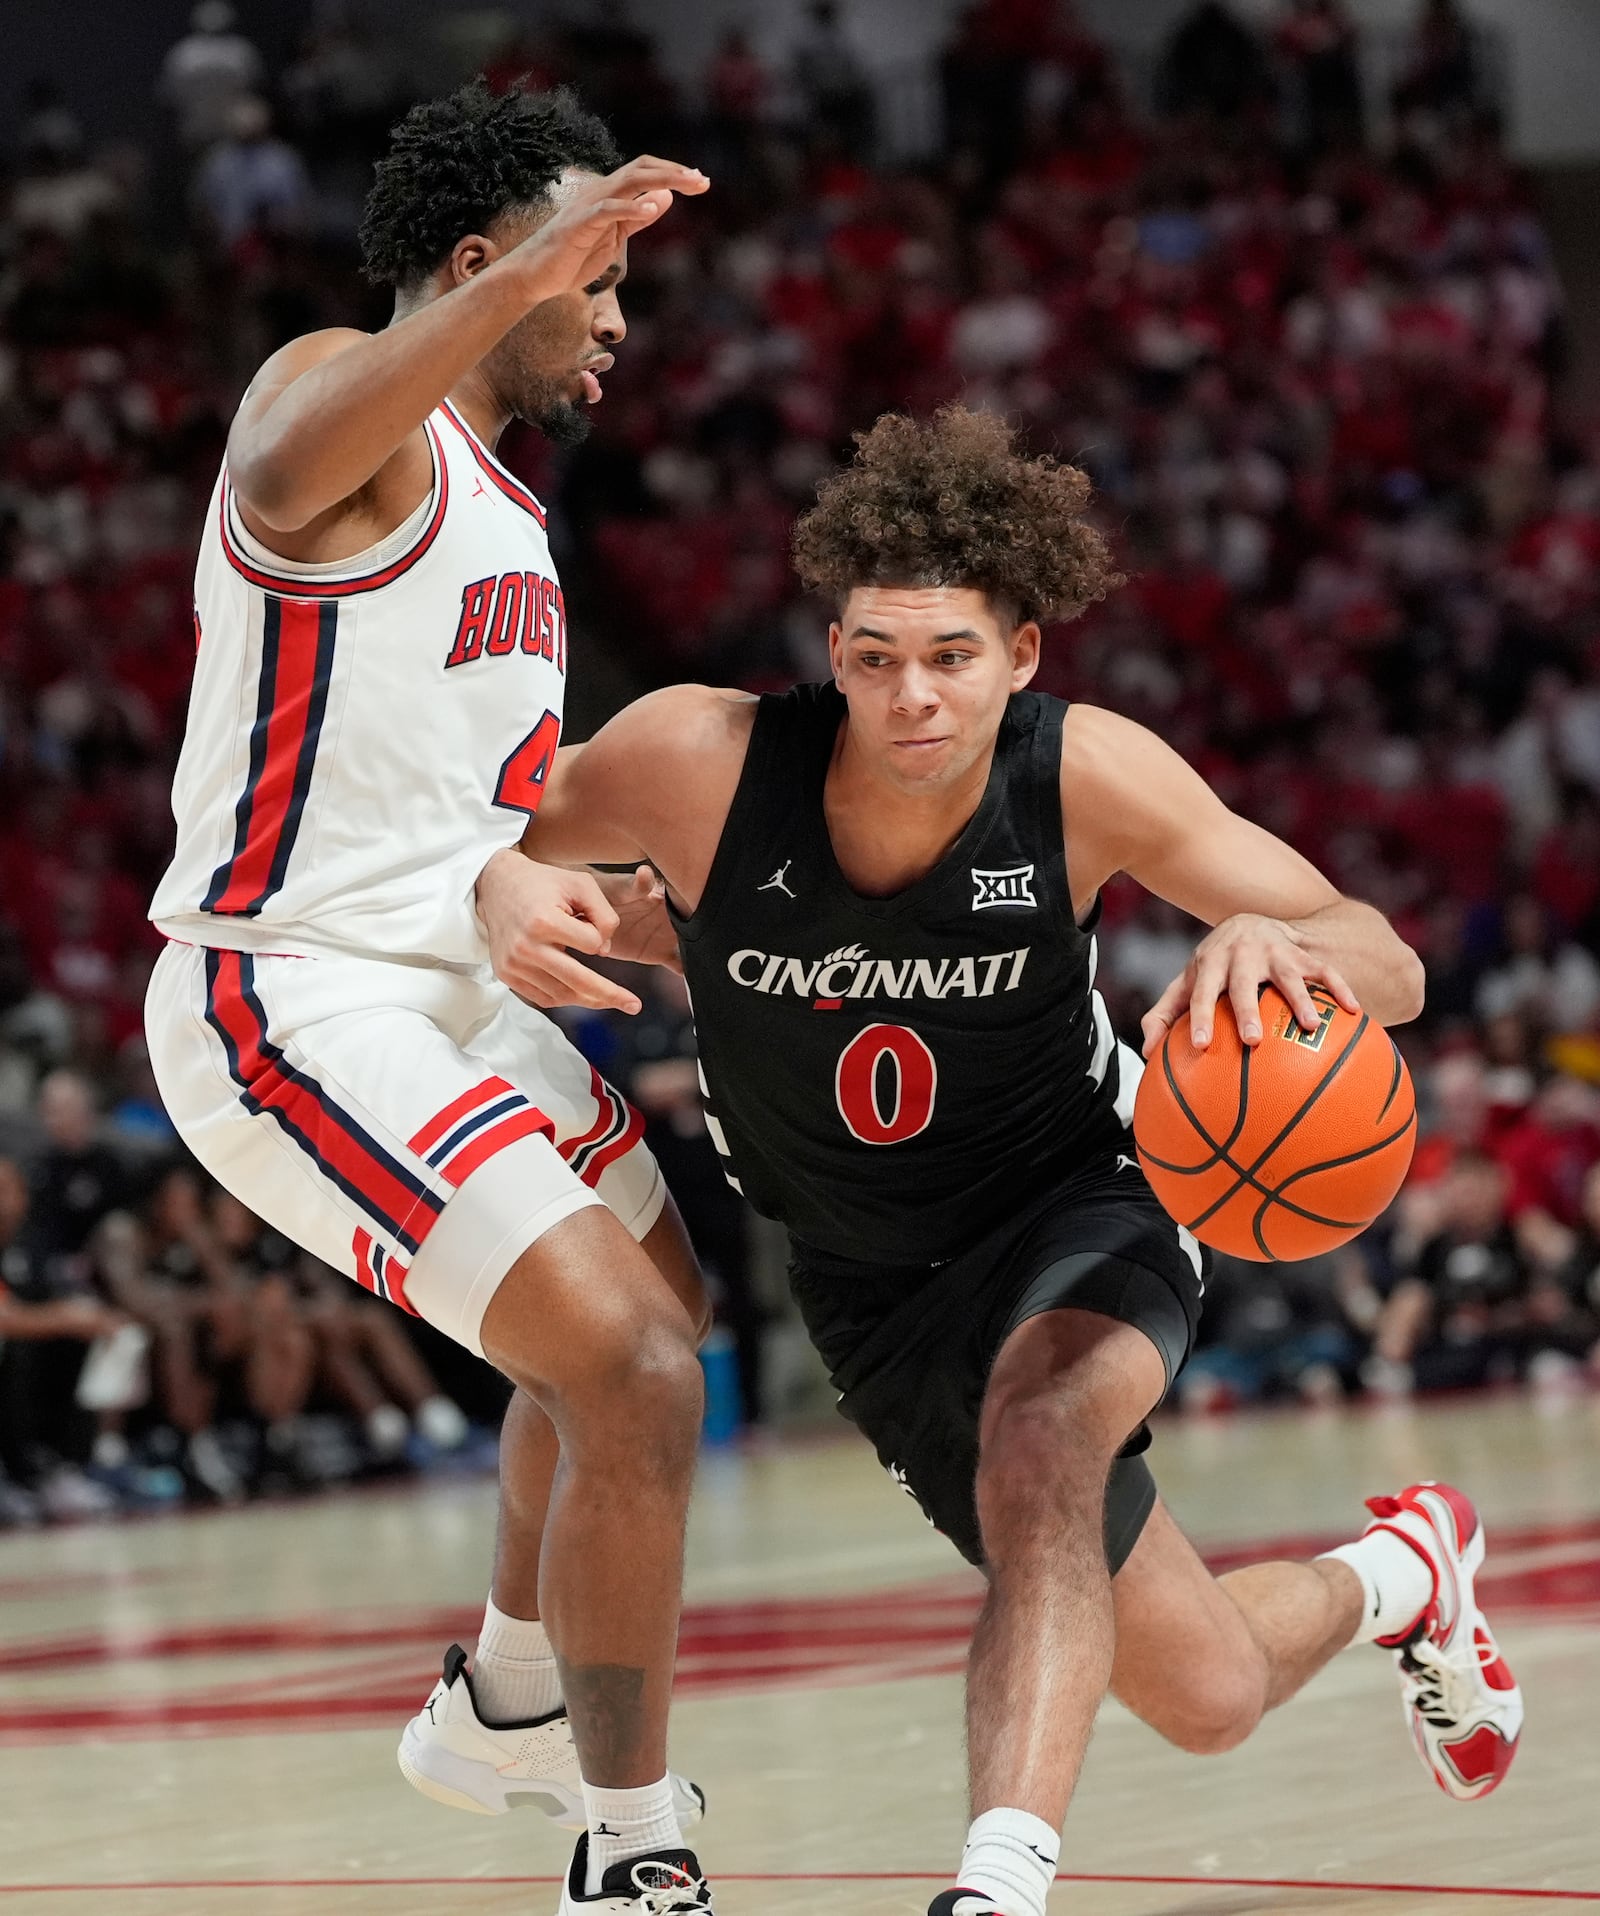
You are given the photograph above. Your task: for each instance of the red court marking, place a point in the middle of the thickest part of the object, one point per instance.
(826, 1876)
(1549, 1571)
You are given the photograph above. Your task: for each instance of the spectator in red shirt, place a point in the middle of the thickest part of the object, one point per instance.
(1549, 1154)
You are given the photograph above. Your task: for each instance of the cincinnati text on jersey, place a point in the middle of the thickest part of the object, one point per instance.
(854, 973)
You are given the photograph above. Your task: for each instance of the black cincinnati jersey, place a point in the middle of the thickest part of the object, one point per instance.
(891, 1078)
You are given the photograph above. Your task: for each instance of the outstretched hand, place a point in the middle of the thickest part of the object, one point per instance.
(577, 244)
(1238, 957)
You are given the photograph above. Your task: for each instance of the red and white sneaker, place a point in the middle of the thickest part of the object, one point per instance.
(1461, 1701)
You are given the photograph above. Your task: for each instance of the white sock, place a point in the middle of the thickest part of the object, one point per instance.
(440, 1420)
(387, 1429)
(1396, 1580)
(514, 1675)
(1011, 1857)
(624, 1823)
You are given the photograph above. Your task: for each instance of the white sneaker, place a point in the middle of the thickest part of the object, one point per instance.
(665, 1883)
(450, 1754)
(1461, 1701)
(208, 1466)
(68, 1496)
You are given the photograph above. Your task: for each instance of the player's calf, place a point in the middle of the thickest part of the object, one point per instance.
(1066, 1390)
(585, 1325)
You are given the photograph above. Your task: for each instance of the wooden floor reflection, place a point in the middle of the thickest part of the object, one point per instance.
(199, 1715)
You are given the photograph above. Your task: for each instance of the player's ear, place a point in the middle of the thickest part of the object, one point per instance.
(835, 649)
(469, 256)
(1025, 642)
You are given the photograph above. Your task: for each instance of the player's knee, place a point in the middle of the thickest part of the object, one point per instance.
(1214, 1713)
(633, 1382)
(643, 1393)
(1056, 1441)
(1041, 1473)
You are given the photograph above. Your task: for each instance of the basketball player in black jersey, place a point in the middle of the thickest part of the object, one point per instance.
(885, 891)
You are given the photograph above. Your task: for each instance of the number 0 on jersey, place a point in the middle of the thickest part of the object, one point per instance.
(856, 1086)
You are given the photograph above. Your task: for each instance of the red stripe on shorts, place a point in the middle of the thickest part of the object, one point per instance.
(333, 1144)
(618, 1147)
(521, 1124)
(361, 1244)
(453, 1113)
(604, 1118)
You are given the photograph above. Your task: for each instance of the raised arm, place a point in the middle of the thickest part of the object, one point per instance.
(325, 414)
(1131, 804)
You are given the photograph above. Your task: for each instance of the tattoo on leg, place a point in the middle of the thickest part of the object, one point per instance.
(605, 1702)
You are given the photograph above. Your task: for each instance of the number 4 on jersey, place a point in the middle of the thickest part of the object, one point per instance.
(522, 777)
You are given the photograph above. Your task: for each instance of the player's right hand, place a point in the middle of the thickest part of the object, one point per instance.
(577, 244)
(536, 916)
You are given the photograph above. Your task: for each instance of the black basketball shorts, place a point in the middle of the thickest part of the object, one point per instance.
(910, 1349)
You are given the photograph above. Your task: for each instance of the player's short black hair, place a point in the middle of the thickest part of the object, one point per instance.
(454, 164)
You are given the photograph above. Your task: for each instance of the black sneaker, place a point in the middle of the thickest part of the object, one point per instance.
(962, 1902)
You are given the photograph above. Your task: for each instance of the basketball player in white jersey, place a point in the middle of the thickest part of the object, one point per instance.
(377, 701)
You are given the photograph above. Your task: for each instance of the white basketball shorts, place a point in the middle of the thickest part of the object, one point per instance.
(415, 1128)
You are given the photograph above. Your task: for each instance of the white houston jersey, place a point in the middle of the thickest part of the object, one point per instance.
(363, 735)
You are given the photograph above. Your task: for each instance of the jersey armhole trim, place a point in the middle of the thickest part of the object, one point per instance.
(296, 585)
(492, 470)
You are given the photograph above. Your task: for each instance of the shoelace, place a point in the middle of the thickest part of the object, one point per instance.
(1441, 1688)
(672, 1893)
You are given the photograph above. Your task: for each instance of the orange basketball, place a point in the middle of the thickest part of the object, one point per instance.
(1280, 1150)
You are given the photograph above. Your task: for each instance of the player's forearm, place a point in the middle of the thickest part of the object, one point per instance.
(331, 429)
(1360, 944)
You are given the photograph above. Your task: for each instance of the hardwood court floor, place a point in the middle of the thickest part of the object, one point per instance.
(198, 1716)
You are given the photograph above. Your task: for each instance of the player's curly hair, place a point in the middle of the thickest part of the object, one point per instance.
(454, 164)
(951, 501)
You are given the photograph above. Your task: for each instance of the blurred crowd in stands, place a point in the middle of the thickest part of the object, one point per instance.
(1308, 343)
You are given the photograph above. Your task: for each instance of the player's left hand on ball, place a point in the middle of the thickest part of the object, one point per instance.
(644, 934)
(536, 917)
(1238, 957)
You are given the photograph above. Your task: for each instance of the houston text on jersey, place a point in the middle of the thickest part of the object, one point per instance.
(517, 608)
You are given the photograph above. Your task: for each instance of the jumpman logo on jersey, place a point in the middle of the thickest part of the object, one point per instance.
(477, 487)
(776, 883)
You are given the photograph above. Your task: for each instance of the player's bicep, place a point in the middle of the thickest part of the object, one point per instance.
(274, 379)
(1136, 806)
(581, 819)
(654, 783)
